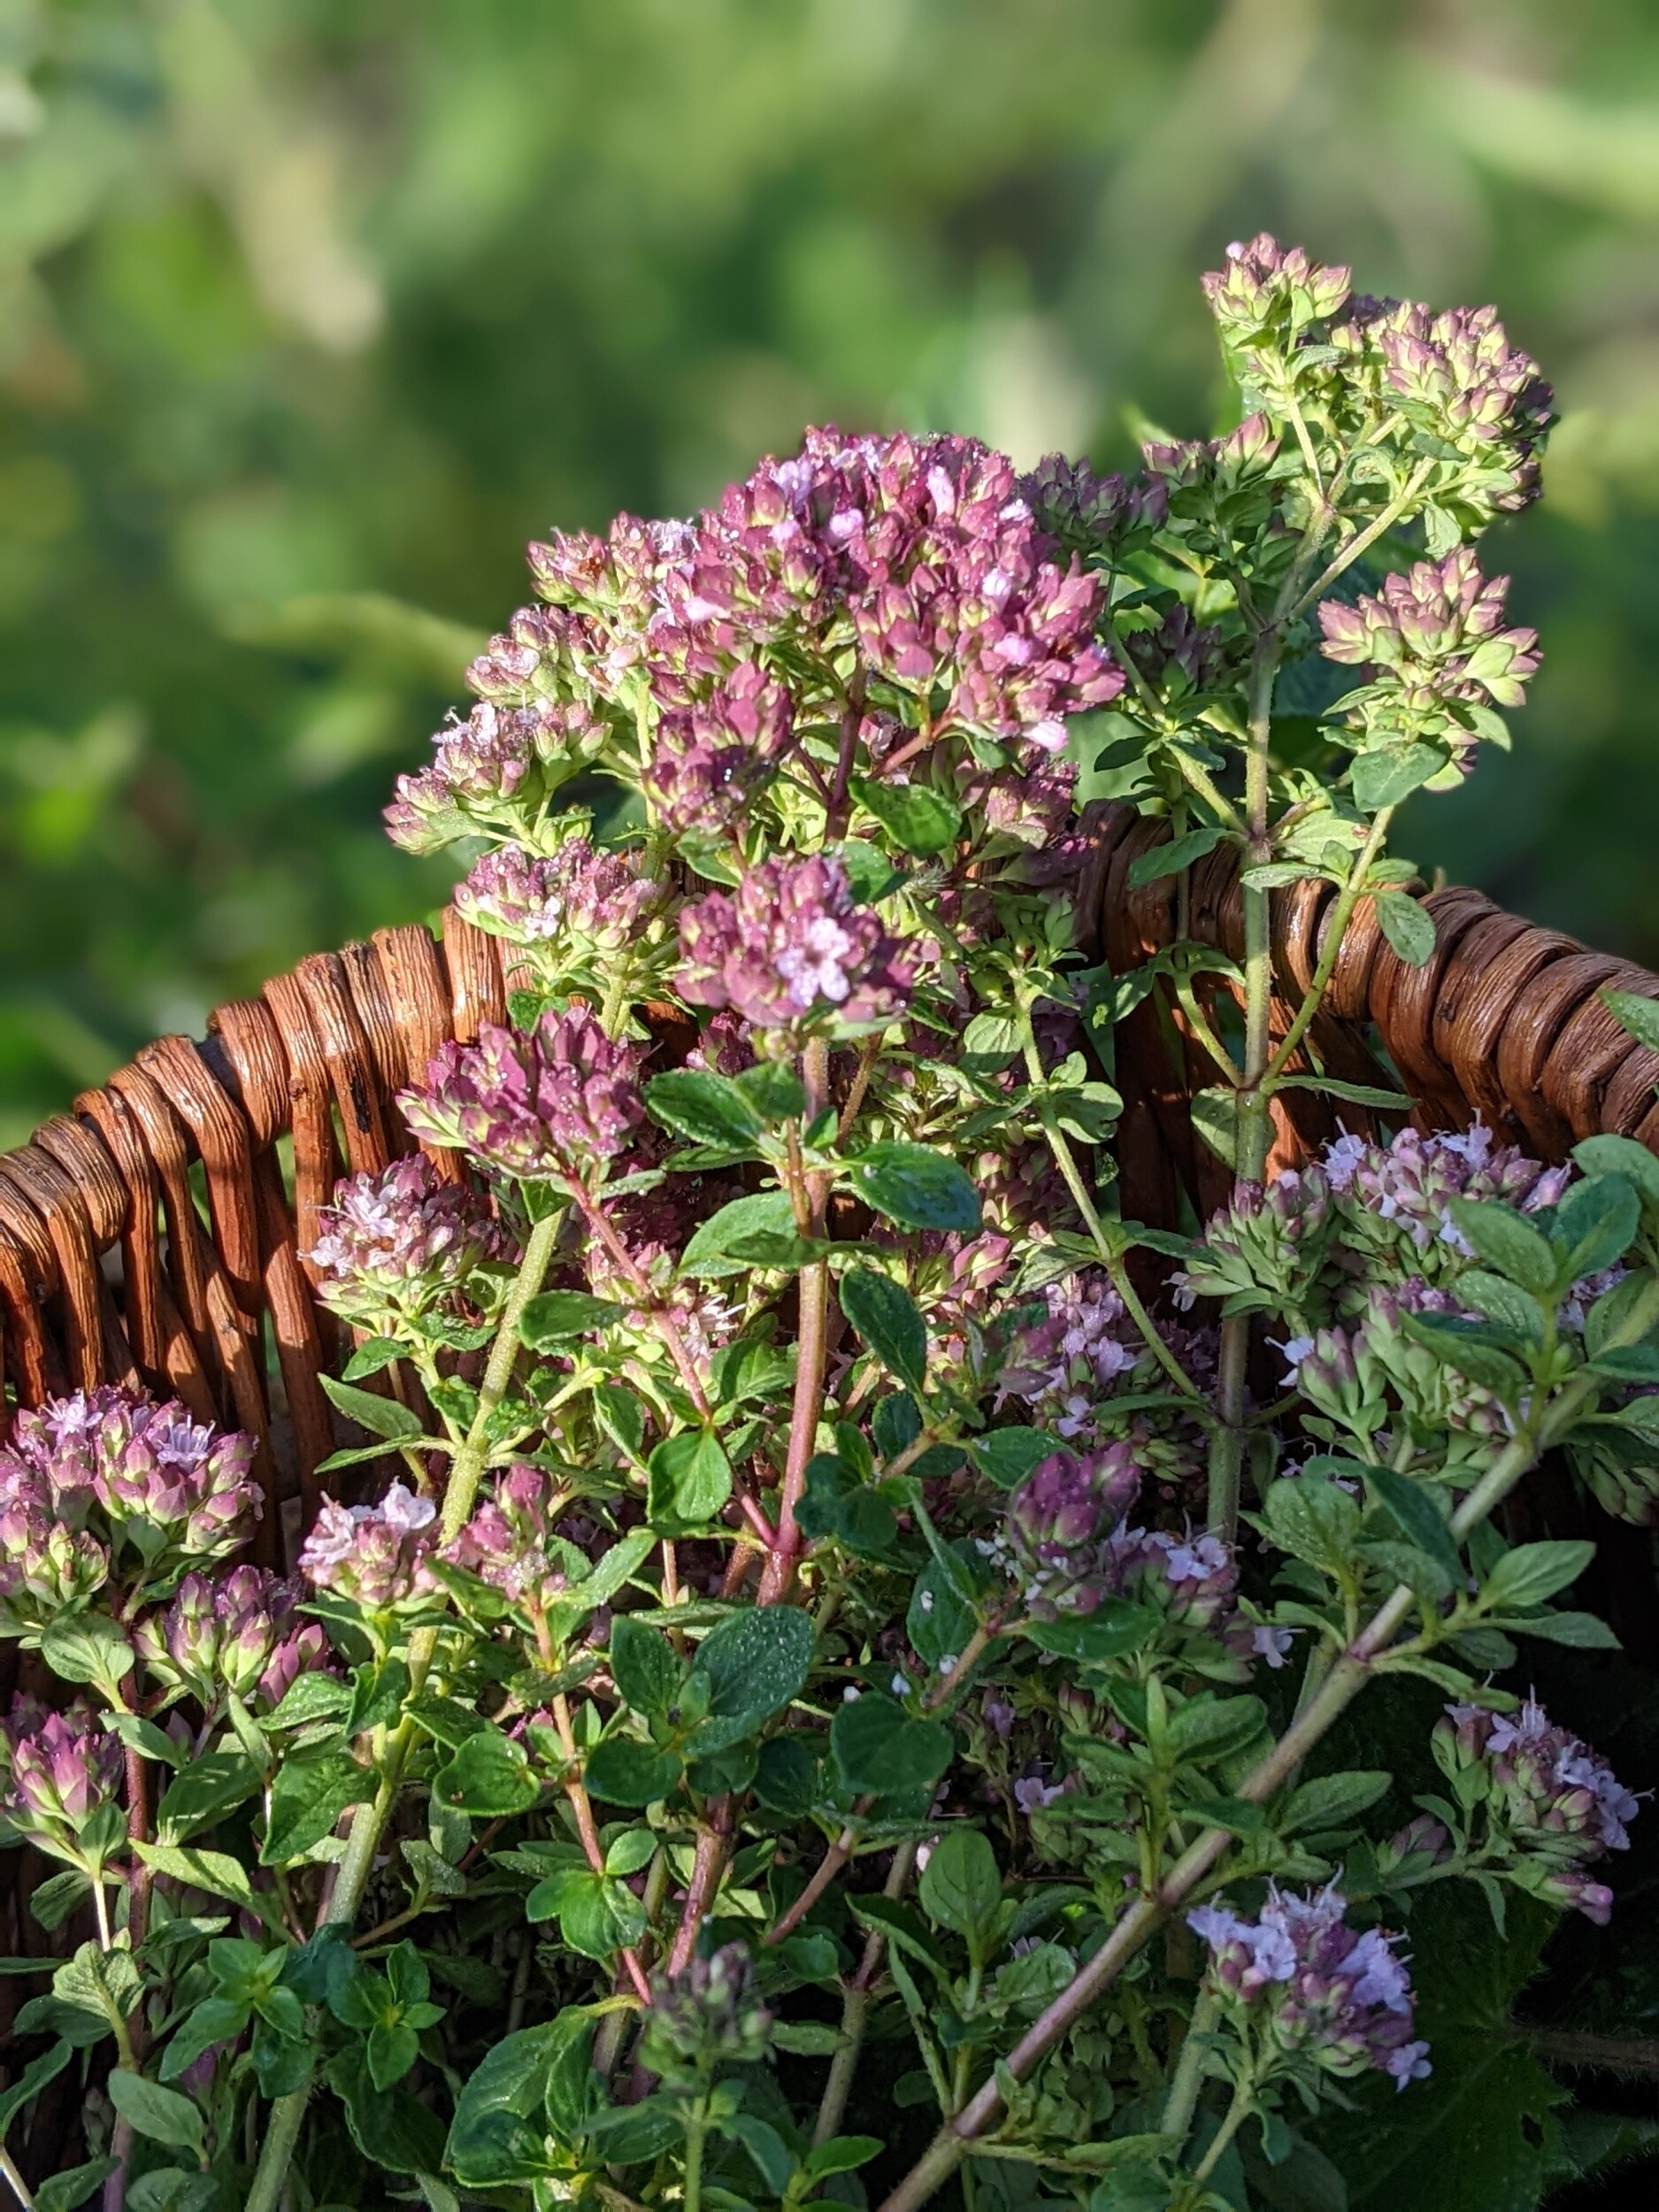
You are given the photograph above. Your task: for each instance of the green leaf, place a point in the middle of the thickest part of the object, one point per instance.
(757, 1231)
(754, 1664)
(878, 1747)
(843, 2154)
(1504, 1240)
(209, 1787)
(1531, 1574)
(838, 1505)
(1331, 1800)
(1456, 1348)
(1502, 1302)
(620, 1771)
(1415, 1512)
(1626, 1362)
(597, 1916)
(31, 2081)
(776, 1092)
(887, 1318)
(1384, 776)
(1311, 1519)
(64, 2192)
(961, 1886)
(917, 820)
(915, 1186)
(369, 1358)
(1409, 927)
(1623, 1155)
(1113, 1629)
(558, 1317)
(143, 1737)
(1171, 859)
(85, 1648)
(1008, 1456)
(708, 1109)
(163, 2115)
(541, 2067)
(941, 1618)
(1579, 1632)
(488, 1777)
(774, 2159)
(1215, 1116)
(382, 1417)
(308, 1796)
(215, 1871)
(1595, 1221)
(870, 873)
(788, 1777)
(690, 1479)
(643, 1666)
(1351, 1093)
(1640, 1016)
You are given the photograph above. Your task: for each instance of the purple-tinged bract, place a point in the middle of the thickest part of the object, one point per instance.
(532, 1107)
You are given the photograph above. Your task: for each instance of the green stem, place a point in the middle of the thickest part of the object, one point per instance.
(1112, 1259)
(1182, 2101)
(1342, 914)
(691, 2197)
(1349, 1676)
(1362, 543)
(15, 2182)
(1238, 2112)
(856, 2008)
(369, 1821)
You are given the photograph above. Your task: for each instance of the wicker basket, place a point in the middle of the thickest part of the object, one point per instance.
(149, 1236)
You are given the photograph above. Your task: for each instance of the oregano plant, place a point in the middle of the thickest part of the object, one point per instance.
(837, 1664)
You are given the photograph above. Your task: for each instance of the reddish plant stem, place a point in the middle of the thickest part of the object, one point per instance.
(828, 1866)
(581, 1806)
(706, 1871)
(813, 1353)
(852, 718)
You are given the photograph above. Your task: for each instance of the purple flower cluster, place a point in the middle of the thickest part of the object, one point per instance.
(510, 1541)
(373, 1555)
(85, 1478)
(602, 899)
(396, 1242)
(1548, 1792)
(1354, 1375)
(61, 1769)
(712, 757)
(242, 1634)
(534, 1106)
(1065, 1365)
(1456, 376)
(1433, 637)
(1263, 287)
(790, 951)
(1267, 1246)
(1316, 1990)
(492, 772)
(1055, 1527)
(1192, 1580)
(1393, 1198)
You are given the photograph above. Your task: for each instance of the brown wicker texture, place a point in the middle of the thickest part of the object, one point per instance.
(152, 1236)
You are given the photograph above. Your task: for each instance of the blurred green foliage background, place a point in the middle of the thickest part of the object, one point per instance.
(311, 311)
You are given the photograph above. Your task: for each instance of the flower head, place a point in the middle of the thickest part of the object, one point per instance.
(1263, 288)
(532, 1106)
(375, 1555)
(1551, 1798)
(1058, 1525)
(712, 757)
(492, 772)
(509, 1542)
(398, 1242)
(711, 2011)
(1065, 1365)
(789, 950)
(62, 1769)
(1315, 1990)
(154, 1478)
(241, 1633)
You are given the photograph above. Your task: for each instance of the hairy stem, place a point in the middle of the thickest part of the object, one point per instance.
(856, 2008)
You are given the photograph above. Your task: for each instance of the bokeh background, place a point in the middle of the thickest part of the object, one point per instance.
(311, 311)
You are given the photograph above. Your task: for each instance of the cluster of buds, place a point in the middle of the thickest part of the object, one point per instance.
(1364, 1378)
(492, 773)
(242, 1635)
(1266, 295)
(710, 2014)
(1266, 1248)
(1192, 1580)
(596, 900)
(396, 1244)
(1393, 1199)
(790, 951)
(1435, 648)
(1456, 376)
(373, 1555)
(1314, 1991)
(1054, 1540)
(1063, 1365)
(1180, 658)
(1552, 1804)
(532, 1107)
(710, 759)
(1084, 512)
(511, 1544)
(88, 1478)
(61, 1773)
